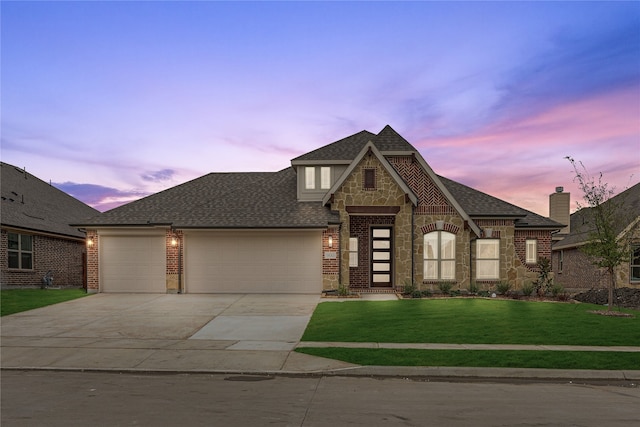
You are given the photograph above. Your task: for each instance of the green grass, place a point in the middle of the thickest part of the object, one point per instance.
(482, 358)
(18, 300)
(473, 321)
(470, 321)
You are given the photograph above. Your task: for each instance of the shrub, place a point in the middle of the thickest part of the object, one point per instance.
(343, 290)
(409, 287)
(473, 288)
(557, 289)
(426, 293)
(527, 289)
(503, 288)
(544, 282)
(445, 287)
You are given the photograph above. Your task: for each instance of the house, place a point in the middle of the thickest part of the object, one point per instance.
(37, 240)
(572, 267)
(366, 211)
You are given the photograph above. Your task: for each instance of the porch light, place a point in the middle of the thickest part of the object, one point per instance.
(330, 241)
(174, 242)
(90, 242)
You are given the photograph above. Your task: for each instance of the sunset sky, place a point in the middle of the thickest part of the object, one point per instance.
(112, 101)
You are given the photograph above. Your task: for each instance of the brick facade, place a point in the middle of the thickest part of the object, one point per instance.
(63, 257)
(174, 247)
(360, 227)
(93, 273)
(576, 271)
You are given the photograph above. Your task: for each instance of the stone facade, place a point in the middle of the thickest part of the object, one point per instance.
(63, 257)
(386, 194)
(411, 223)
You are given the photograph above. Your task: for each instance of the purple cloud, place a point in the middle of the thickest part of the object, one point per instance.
(158, 176)
(100, 197)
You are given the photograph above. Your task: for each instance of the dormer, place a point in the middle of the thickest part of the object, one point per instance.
(315, 180)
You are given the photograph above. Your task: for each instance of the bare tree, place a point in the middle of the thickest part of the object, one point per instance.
(604, 216)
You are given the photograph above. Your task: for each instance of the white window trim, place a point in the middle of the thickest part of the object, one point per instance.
(325, 177)
(531, 251)
(353, 251)
(495, 261)
(438, 257)
(310, 178)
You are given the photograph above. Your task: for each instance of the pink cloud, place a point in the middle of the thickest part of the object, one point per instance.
(523, 160)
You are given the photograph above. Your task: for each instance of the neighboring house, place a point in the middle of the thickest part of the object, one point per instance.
(36, 236)
(572, 267)
(366, 211)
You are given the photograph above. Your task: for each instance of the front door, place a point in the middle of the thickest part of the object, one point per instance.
(381, 256)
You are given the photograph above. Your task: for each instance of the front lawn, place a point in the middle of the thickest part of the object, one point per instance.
(482, 358)
(470, 321)
(473, 321)
(17, 300)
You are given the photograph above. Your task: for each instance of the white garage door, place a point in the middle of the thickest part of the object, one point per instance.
(132, 264)
(254, 262)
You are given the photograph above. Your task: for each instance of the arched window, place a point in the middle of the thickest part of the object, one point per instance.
(439, 256)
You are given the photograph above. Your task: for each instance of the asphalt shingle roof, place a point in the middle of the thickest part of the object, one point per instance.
(31, 204)
(582, 225)
(269, 199)
(348, 148)
(479, 204)
(224, 200)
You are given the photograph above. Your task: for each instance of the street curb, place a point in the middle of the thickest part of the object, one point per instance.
(408, 372)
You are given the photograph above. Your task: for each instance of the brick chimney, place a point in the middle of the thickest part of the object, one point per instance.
(559, 204)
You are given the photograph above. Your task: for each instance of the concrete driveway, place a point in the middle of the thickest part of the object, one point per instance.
(151, 332)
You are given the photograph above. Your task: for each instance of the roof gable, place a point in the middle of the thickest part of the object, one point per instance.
(371, 148)
(32, 204)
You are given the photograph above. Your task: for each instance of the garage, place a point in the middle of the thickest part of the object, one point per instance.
(253, 261)
(132, 263)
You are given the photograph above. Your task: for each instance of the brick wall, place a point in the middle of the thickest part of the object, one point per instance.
(360, 227)
(175, 265)
(64, 257)
(92, 261)
(578, 273)
(430, 200)
(544, 245)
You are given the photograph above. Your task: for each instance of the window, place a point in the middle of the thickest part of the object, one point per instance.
(634, 274)
(560, 261)
(439, 256)
(353, 251)
(488, 259)
(325, 178)
(369, 179)
(20, 251)
(532, 251)
(310, 178)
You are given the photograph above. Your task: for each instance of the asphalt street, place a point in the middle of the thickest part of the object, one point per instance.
(58, 398)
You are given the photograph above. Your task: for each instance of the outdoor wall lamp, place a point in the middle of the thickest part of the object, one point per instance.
(174, 242)
(330, 241)
(90, 241)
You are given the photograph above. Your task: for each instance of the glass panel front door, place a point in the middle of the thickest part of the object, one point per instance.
(381, 256)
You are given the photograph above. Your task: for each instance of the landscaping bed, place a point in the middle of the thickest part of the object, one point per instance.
(624, 297)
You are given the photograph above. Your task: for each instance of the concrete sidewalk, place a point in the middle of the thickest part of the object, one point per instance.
(244, 334)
